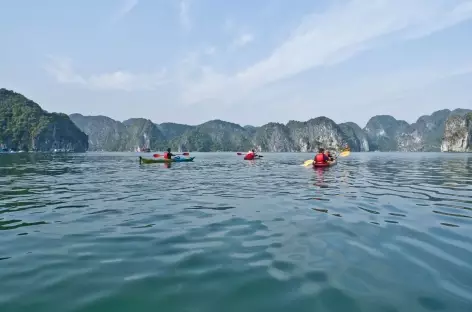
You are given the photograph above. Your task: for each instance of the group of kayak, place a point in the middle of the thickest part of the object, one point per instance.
(168, 157)
(323, 158)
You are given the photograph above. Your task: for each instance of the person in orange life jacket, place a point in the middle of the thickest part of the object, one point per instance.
(168, 154)
(321, 157)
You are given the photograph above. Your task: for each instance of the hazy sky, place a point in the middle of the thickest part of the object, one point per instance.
(244, 61)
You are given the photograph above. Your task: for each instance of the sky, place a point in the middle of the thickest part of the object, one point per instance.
(245, 61)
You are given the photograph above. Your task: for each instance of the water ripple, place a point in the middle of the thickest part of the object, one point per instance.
(99, 232)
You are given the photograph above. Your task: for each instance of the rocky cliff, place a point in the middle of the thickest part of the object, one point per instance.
(143, 133)
(356, 137)
(173, 130)
(104, 133)
(458, 134)
(386, 133)
(24, 125)
(214, 135)
(273, 137)
(382, 133)
(315, 133)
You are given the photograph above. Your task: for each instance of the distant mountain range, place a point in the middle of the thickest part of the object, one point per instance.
(444, 130)
(382, 133)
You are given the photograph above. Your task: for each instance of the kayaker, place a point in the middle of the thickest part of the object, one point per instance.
(250, 155)
(321, 157)
(330, 157)
(168, 154)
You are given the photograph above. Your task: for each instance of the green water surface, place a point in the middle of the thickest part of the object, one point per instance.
(99, 232)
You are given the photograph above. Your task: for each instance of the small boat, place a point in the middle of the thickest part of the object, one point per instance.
(253, 157)
(163, 160)
(330, 164)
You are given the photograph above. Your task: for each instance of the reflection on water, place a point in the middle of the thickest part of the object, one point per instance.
(100, 232)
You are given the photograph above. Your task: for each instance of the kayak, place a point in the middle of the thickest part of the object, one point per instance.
(163, 160)
(253, 158)
(324, 165)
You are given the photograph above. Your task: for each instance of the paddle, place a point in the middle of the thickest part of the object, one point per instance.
(159, 155)
(309, 162)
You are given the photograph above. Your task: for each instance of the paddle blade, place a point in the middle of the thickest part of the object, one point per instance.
(308, 162)
(156, 155)
(186, 154)
(345, 153)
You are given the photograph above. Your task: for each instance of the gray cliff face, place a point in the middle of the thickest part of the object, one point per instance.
(60, 134)
(274, 137)
(104, 133)
(458, 134)
(383, 131)
(355, 136)
(226, 136)
(24, 125)
(173, 130)
(299, 136)
(143, 133)
(214, 135)
(425, 134)
(315, 133)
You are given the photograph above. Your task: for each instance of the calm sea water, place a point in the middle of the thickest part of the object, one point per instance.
(98, 232)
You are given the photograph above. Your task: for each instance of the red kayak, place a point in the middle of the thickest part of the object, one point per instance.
(324, 164)
(252, 157)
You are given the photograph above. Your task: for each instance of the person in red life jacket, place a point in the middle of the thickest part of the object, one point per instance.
(250, 155)
(168, 154)
(321, 157)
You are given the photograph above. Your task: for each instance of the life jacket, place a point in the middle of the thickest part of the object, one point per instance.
(249, 156)
(319, 159)
(166, 155)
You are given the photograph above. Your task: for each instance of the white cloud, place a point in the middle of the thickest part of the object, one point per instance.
(184, 17)
(63, 71)
(125, 7)
(243, 40)
(325, 39)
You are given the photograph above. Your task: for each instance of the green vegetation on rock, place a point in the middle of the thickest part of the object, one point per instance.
(24, 125)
